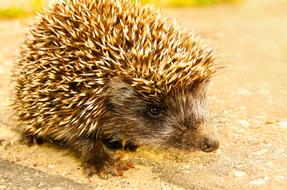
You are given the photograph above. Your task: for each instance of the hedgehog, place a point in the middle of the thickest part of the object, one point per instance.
(91, 73)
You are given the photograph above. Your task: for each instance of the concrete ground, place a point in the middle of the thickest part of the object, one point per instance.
(249, 97)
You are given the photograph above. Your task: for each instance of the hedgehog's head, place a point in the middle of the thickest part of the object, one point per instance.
(164, 105)
(177, 119)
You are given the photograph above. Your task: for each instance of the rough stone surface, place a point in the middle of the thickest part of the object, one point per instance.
(14, 176)
(248, 97)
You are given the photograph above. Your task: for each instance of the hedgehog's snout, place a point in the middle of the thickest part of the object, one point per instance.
(209, 144)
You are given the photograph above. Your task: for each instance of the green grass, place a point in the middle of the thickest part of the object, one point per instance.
(31, 6)
(11, 12)
(14, 11)
(186, 3)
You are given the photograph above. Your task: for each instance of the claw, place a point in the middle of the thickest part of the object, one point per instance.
(114, 167)
(116, 172)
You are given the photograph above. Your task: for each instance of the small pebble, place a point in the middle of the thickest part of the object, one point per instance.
(243, 123)
(239, 173)
(282, 124)
(259, 181)
(51, 166)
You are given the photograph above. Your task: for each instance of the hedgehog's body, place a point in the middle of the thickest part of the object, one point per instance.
(92, 71)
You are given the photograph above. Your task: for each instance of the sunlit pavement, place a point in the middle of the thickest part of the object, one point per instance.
(248, 96)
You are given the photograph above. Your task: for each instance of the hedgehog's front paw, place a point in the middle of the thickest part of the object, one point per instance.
(103, 166)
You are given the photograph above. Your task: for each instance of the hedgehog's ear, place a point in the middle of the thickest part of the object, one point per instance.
(120, 91)
(119, 86)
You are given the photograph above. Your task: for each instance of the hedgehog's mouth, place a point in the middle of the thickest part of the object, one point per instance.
(188, 143)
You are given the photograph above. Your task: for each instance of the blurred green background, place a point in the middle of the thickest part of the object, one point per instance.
(184, 3)
(22, 8)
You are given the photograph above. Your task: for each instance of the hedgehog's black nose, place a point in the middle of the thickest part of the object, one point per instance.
(209, 144)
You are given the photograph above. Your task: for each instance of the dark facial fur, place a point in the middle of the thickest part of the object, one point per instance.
(176, 120)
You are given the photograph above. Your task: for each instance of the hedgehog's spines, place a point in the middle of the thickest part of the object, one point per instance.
(76, 47)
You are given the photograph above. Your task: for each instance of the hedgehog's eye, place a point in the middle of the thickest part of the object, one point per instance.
(155, 111)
